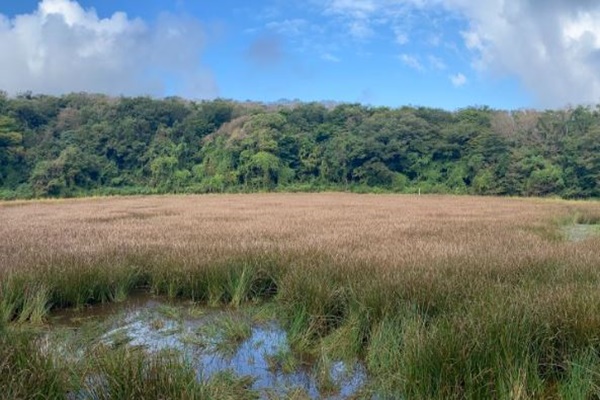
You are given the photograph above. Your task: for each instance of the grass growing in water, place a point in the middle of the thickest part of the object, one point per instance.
(284, 360)
(226, 332)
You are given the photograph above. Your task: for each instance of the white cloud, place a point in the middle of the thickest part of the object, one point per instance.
(401, 36)
(551, 46)
(458, 80)
(291, 27)
(435, 39)
(436, 63)
(330, 57)
(61, 47)
(355, 8)
(361, 29)
(362, 17)
(411, 61)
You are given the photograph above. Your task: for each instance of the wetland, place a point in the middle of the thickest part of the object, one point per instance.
(330, 295)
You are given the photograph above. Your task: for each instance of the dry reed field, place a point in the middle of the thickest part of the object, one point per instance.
(392, 232)
(441, 296)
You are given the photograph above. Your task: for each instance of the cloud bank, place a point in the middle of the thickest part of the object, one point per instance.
(551, 46)
(61, 47)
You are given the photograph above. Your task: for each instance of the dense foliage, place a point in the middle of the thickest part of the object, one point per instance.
(92, 144)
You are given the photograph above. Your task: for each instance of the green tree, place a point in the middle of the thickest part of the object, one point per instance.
(264, 170)
(70, 172)
(47, 179)
(163, 169)
(546, 181)
(11, 150)
(374, 173)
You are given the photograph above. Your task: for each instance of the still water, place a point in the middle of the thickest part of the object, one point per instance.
(214, 341)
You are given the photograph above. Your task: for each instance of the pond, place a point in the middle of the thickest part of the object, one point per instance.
(247, 343)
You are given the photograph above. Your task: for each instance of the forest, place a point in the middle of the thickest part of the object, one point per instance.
(88, 144)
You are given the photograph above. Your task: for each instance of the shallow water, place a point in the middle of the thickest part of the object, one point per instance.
(581, 232)
(155, 325)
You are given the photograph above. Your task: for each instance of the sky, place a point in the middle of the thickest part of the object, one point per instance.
(451, 54)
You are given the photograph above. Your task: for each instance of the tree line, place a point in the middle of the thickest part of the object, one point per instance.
(82, 144)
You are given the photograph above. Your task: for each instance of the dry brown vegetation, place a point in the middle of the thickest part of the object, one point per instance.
(483, 296)
(389, 231)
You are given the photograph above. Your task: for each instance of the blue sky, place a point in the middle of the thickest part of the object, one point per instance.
(438, 53)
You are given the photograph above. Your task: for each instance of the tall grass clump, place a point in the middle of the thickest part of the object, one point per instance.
(11, 298)
(23, 301)
(77, 283)
(252, 278)
(25, 372)
(168, 375)
(127, 374)
(313, 298)
(582, 380)
(481, 353)
(232, 280)
(586, 216)
(385, 350)
(36, 304)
